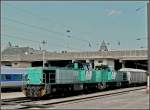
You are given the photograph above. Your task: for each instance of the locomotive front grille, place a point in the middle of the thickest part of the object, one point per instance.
(34, 91)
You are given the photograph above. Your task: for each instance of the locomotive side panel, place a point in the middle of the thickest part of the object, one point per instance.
(67, 76)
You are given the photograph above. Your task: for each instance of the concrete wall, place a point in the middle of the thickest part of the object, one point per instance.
(21, 64)
(17, 64)
(6, 63)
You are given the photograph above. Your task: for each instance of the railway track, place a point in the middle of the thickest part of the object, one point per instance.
(15, 101)
(24, 103)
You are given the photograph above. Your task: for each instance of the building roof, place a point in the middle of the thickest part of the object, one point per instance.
(19, 50)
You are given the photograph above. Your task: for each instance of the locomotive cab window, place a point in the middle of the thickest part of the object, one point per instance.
(49, 76)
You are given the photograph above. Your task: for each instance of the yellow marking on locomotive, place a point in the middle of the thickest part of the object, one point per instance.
(42, 92)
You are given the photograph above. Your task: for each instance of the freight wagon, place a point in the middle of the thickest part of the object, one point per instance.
(135, 76)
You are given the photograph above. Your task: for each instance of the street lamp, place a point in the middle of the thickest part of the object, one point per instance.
(142, 47)
(138, 39)
(141, 38)
(68, 31)
(43, 42)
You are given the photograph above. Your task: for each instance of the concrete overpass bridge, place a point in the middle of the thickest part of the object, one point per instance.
(106, 57)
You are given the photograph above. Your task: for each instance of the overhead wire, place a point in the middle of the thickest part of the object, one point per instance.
(33, 41)
(18, 37)
(28, 32)
(30, 25)
(45, 18)
(33, 26)
(32, 14)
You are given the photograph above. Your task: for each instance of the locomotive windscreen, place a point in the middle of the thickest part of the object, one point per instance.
(49, 76)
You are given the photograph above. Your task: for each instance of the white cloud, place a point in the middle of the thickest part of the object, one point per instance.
(114, 12)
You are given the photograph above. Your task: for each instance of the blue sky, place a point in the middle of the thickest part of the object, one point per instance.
(28, 23)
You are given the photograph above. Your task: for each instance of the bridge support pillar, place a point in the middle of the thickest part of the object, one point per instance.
(123, 64)
(72, 61)
(87, 61)
(109, 62)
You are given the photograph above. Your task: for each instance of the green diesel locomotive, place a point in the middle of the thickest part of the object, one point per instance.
(74, 77)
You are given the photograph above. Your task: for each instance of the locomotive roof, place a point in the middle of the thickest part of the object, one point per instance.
(132, 69)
